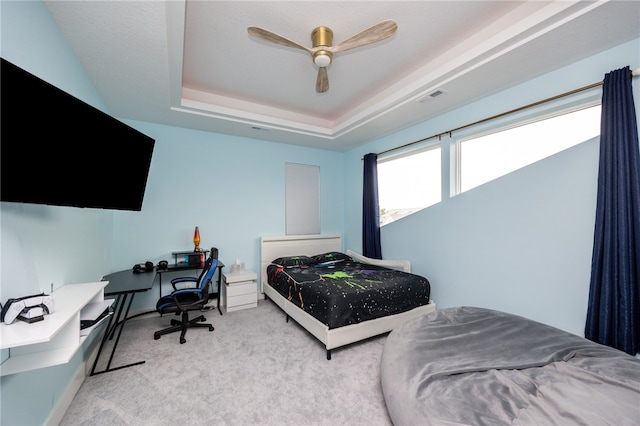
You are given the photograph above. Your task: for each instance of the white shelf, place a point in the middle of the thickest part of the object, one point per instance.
(55, 339)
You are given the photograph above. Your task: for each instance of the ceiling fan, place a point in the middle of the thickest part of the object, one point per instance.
(322, 51)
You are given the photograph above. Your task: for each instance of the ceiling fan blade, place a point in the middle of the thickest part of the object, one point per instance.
(322, 82)
(275, 38)
(374, 34)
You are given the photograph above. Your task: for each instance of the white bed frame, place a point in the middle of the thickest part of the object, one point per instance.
(291, 245)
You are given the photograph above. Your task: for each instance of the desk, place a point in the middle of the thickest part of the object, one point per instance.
(124, 285)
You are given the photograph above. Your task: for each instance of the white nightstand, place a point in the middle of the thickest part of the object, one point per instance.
(239, 291)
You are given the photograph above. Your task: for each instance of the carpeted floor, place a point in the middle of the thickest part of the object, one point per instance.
(254, 369)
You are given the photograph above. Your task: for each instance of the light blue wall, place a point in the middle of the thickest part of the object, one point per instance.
(232, 188)
(521, 243)
(30, 38)
(41, 245)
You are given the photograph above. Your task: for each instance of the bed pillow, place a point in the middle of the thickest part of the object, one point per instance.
(293, 261)
(399, 265)
(331, 256)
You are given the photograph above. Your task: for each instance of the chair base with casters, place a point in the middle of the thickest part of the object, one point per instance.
(183, 325)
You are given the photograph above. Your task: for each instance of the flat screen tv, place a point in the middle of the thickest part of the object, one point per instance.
(56, 149)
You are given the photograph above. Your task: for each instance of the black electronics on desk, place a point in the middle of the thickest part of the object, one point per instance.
(143, 267)
(94, 314)
(194, 259)
(189, 258)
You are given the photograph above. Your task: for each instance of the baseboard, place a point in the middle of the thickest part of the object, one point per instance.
(83, 371)
(56, 415)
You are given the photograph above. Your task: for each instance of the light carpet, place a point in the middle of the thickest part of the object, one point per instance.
(253, 369)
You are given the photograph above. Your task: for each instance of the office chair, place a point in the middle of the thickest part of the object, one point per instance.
(183, 300)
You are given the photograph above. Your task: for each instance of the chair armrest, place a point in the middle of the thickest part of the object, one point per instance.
(181, 280)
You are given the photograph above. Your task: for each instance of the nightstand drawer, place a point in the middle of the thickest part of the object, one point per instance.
(233, 279)
(241, 289)
(245, 299)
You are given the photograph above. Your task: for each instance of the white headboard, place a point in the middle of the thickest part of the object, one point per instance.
(292, 245)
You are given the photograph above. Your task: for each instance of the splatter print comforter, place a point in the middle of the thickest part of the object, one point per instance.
(343, 292)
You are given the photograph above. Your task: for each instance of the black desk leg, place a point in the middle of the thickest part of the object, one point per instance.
(109, 331)
(219, 281)
(104, 337)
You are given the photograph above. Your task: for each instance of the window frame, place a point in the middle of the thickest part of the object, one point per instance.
(521, 119)
(449, 142)
(407, 152)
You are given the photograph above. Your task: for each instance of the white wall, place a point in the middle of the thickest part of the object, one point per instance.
(521, 243)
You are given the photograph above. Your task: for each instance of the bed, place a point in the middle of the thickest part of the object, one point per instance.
(476, 366)
(336, 330)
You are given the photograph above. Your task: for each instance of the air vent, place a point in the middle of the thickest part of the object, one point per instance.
(431, 95)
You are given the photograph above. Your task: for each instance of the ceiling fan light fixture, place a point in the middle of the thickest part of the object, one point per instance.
(322, 58)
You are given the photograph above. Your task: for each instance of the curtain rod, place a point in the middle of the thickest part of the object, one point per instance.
(634, 73)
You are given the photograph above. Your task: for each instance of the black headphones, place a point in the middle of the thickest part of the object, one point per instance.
(163, 264)
(140, 267)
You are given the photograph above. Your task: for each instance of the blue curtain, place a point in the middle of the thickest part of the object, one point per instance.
(370, 209)
(613, 315)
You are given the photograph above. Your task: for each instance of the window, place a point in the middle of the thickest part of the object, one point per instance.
(488, 157)
(411, 181)
(408, 183)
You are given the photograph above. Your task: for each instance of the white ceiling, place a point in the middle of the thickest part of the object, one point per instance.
(192, 63)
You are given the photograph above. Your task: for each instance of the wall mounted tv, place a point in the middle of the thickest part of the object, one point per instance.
(56, 149)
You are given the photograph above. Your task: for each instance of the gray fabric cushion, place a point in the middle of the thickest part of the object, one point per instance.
(477, 366)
